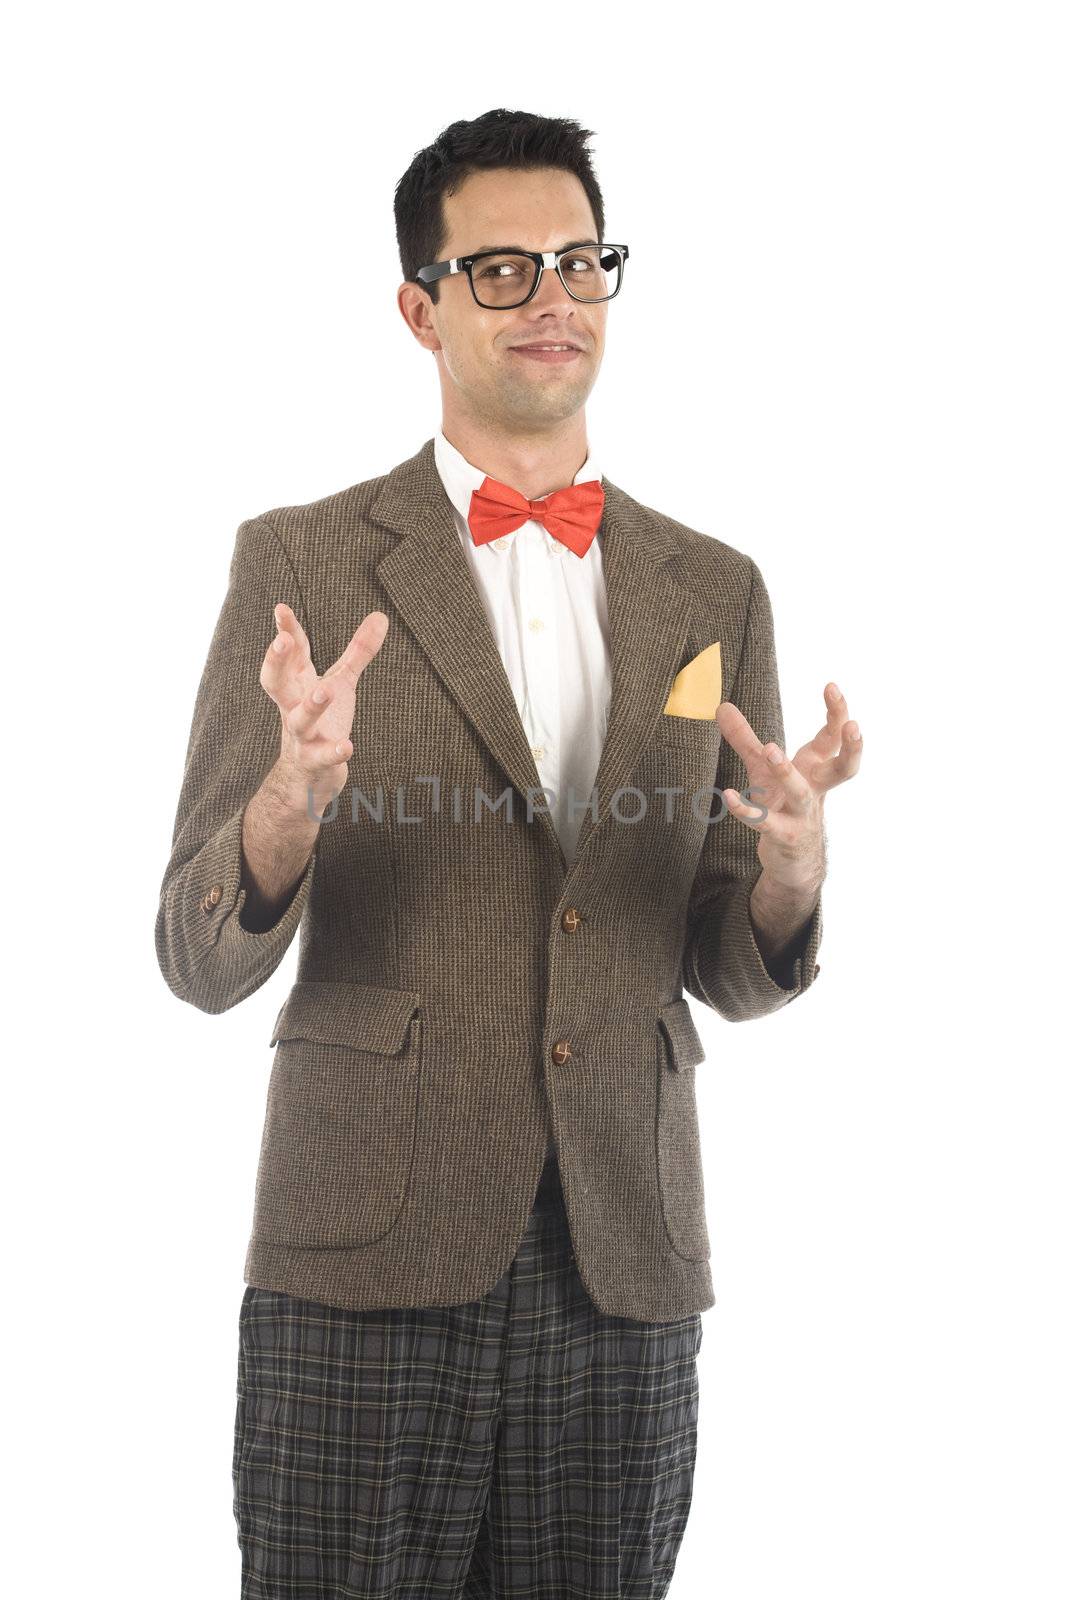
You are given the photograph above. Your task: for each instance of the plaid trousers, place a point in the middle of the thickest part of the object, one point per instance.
(521, 1445)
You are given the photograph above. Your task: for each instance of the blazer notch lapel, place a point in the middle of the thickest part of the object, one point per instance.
(427, 577)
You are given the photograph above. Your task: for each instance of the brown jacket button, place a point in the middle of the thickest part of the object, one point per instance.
(571, 919)
(212, 898)
(561, 1051)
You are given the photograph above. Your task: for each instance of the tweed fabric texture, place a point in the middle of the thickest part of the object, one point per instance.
(520, 1445)
(414, 1083)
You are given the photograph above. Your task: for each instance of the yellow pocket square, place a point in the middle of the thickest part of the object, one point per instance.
(697, 690)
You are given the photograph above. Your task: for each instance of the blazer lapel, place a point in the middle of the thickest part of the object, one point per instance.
(648, 615)
(427, 576)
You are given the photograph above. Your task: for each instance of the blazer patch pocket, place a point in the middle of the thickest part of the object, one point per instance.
(342, 1110)
(678, 1158)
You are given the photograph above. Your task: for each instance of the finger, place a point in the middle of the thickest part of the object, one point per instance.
(836, 707)
(317, 758)
(320, 754)
(739, 734)
(304, 717)
(751, 814)
(362, 647)
(287, 619)
(289, 653)
(827, 741)
(791, 790)
(844, 765)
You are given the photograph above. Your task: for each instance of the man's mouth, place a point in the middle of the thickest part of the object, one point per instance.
(548, 352)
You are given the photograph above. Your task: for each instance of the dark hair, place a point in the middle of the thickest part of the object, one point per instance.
(495, 139)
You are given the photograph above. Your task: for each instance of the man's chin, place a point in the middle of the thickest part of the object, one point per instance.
(543, 403)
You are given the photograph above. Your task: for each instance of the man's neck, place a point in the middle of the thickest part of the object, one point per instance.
(534, 464)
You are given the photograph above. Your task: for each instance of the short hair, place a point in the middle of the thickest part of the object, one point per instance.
(497, 138)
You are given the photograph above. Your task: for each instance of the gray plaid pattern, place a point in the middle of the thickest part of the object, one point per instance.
(520, 1445)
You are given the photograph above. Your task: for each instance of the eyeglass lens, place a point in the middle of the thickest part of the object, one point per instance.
(506, 280)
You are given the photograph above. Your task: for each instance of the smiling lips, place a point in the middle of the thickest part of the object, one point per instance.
(547, 352)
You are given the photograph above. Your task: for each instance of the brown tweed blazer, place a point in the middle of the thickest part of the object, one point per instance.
(460, 991)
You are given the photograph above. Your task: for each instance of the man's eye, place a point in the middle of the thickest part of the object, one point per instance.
(497, 268)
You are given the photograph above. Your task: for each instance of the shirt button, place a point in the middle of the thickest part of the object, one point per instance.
(571, 919)
(561, 1051)
(536, 624)
(537, 751)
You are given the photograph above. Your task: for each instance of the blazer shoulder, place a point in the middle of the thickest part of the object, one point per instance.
(300, 528)
(702, 561)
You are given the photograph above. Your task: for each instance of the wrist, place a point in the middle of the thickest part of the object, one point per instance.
(792, 893)
(780, 913)
(291, 792)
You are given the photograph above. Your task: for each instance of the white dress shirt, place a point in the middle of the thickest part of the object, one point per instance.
(548, 612)
(547, 609)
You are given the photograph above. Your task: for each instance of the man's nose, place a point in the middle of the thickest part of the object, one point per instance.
(550, 291)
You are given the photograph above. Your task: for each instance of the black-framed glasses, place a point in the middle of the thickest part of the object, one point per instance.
(500, 280)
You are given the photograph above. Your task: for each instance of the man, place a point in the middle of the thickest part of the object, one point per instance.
(479, 1256)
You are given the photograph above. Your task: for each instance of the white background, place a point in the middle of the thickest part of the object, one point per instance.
(864, 390)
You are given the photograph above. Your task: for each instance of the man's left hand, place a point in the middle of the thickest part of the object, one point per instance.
(790, 794)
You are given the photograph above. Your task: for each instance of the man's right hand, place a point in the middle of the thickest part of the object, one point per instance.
(316, 713)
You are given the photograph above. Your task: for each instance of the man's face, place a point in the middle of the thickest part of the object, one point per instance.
(479, 356)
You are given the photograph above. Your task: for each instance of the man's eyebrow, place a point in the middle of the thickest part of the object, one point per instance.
(502, 248)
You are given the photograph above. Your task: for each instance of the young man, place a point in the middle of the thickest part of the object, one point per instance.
(468, 1341)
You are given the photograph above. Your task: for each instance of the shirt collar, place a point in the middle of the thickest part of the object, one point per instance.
(461, 479)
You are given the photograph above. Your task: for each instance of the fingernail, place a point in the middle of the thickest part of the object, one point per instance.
(278, 645)
(319, 696)
(835, 692)
(774, 754)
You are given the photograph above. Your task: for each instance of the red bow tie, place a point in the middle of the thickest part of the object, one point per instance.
(571, 515)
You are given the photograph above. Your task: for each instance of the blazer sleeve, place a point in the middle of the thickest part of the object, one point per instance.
(722, 964)
(205, 953)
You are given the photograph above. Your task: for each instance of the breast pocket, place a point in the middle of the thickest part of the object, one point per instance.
(699, 734)
(681, 1176)
(342, 1113)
